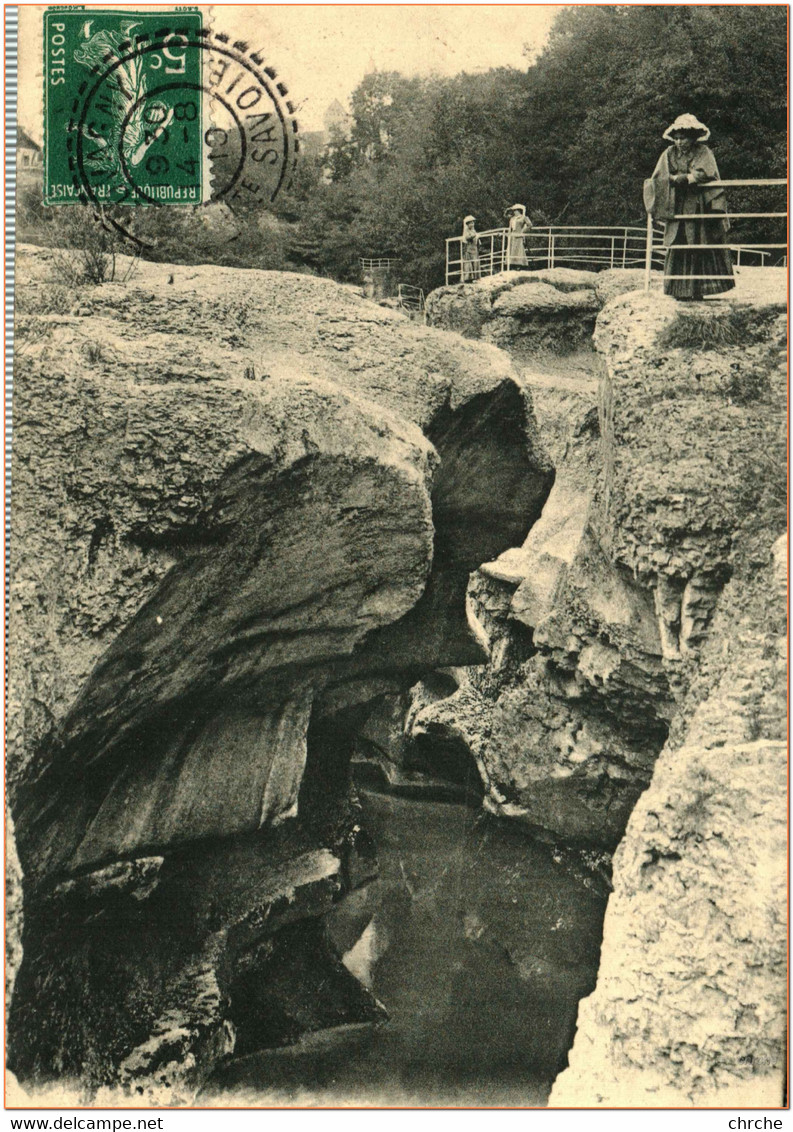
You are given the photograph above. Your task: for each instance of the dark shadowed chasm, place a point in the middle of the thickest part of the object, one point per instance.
(478, 941)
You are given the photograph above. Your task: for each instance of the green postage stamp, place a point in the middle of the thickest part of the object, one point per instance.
(153, 108)
(122, 106)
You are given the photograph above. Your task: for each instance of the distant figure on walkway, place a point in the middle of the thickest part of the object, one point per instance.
(519, 225)
(678, 188)
(472, 268)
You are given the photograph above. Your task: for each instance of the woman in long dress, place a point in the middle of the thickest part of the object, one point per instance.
(472, 268)
(683, 173)
(519, 225)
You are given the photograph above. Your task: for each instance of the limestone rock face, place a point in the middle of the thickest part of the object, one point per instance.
(565, 721)
(690, 1004)
(638, 677)
(688, 508)
(208, 518)
(576, 696)
(550, 309)
(674, 496)
(595, 625)
(245, 504)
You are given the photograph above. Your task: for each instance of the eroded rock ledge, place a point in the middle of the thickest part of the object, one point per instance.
(638, 653)
(690, 1005)
(553, 309)
(245, 503)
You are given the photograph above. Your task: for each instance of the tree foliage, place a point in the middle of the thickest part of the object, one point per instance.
(611, 79)
(572, 136)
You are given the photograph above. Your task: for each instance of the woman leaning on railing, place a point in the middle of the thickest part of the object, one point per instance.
(697, 261)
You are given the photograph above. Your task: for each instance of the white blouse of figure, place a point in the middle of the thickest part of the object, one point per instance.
(469, 228)
(518, 220)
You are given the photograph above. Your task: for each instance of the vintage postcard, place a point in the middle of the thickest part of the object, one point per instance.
(397, 628)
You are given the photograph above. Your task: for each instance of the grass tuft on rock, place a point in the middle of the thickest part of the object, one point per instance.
(703, 330)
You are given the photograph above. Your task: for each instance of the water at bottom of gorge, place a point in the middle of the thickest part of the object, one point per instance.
(480, 945)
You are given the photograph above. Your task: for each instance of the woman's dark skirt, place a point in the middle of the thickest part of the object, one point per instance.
(711, 262)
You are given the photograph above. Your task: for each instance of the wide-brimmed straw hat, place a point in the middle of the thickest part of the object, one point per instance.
(685, 123)
(521, 208)
(467, 218)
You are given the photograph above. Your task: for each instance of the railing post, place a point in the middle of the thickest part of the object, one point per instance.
(499, 259)
(648, 252)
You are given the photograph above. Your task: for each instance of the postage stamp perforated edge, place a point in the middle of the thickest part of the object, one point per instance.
(84, 109)
(261, 144)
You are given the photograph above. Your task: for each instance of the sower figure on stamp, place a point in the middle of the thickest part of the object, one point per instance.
(519, 225)
(472, 268)
(678, 189)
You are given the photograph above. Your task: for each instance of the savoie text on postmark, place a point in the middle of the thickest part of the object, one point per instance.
(146, 108)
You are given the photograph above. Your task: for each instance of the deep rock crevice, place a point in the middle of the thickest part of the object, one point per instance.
(649, 583)
(228, 593)
(191, 793)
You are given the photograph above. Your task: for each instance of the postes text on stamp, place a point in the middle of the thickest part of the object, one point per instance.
(127, 119)
(143, 113)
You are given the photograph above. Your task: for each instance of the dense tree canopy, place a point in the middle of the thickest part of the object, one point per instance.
(572, 136)
(611, 79)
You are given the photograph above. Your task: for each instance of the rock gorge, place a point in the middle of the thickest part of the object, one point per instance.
(263, 529)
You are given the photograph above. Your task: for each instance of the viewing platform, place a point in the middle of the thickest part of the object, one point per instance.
(596, 247)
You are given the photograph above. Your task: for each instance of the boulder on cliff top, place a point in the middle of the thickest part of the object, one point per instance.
(541, 298)
(245, 504)
(550, 309)
(224, 489)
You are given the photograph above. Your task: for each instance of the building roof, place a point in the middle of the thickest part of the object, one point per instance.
(25, 141)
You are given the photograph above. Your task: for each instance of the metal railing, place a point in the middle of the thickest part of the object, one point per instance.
(584, 245)
(377, 264)
(652, 248)
(594, 247)
(411, 300)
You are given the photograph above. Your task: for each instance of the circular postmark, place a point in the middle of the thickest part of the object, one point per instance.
(153, 109)
(181, 116)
